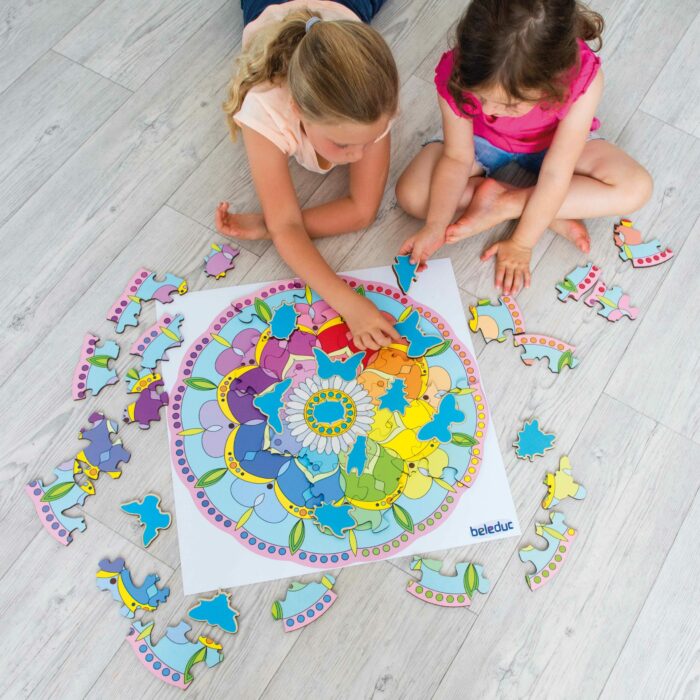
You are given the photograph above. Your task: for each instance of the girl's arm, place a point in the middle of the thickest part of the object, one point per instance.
(283, 217)
(358, 210)
(558, 166)
(513, 254)
(447, 185)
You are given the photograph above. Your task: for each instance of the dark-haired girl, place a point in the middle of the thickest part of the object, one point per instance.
(520, 85)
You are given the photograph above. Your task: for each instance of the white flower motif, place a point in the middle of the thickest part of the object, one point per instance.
(328, 415)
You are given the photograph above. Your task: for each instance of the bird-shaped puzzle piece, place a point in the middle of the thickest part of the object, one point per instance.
(561, 485)
(548, 561)
(150, 516)
(270, 403)
(220, 260)
(50, 501)
(454, 591)
(216, 612)
(304, 603)
(493, 320)
(578, 282)
(532, 442)
(155, 342)
(613, 301)
(404, 271)
(113, 576)
(172, 658)
(642, 254)
(93, 373)
(418, 342)
(143, 286)
(541, 347)
(394, 399)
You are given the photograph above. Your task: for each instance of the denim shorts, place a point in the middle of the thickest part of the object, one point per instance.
(491, 158)
(364, 9)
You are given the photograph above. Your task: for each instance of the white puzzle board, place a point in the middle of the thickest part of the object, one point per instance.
(211, 558)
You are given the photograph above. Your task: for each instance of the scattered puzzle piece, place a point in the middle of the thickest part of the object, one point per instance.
(143, 286)
(404, 272)
(172, 658)
(454, 591)
(438, 427)
(283, 321)
(395, 397)
(614, 302)
(113, 576)
(493, 320)
(51, 500)
(578, 282)
(217, 612)
(642, 254)
(532, 442)
(220, 260)
(146, 408)
(155, 342)
(150, 516)
(418, 343)
(92, 373)
(538, 347)
(561, 485)
(304, 603)
(548, 561)
(103, 454)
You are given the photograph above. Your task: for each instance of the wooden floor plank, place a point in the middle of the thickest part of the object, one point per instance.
(96, 203)
(662, 653)
(46, 115)
(31, 27)
(128, 41)
(563, 640)
(667, 339)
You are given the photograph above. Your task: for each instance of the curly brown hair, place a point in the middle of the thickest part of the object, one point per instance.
(524, 46)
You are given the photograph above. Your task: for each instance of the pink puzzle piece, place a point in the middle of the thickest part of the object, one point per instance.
(641, 253)
(613, 301)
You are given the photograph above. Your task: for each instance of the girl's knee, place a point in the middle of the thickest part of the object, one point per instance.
(637, 189)
(409, 195)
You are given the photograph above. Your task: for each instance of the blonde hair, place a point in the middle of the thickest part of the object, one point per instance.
(338, 70)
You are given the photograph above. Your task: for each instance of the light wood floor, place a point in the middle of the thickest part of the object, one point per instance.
(114, 155)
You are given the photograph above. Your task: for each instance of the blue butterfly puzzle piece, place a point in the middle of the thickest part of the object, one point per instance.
(217, 612)
(404, 271)
(438, 426)
(532, 442)
(270, 403)
(150, 516)
(418, 344)
(395, 397)
(345, 369)
(283, 321)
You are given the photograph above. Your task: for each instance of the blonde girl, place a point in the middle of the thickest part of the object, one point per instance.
(316, 83)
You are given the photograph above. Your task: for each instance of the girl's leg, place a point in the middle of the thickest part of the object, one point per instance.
(606, 181)
(413, 187)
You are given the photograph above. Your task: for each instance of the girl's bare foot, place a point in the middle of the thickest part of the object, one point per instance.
(488, 208)
(573, 230)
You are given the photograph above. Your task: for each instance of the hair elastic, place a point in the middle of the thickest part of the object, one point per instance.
(311, 21)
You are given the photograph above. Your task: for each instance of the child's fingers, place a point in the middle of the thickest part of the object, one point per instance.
(406, 247)
(391, 332)
(527, 279)
(357, 340)
(369, 342)
(500, 274)
(489, 252)
(508, 281)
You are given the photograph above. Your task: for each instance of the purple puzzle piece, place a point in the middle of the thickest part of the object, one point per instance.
(146, 408)
(220, 260)
(102, 454)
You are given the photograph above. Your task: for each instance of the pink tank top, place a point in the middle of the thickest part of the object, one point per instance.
(533, 131)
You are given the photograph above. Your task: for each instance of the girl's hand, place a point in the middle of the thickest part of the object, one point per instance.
(246, 226)
(370, 329)
(512, 265)
(423, 244)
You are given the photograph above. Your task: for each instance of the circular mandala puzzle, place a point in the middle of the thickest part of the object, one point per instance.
(304, 448)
